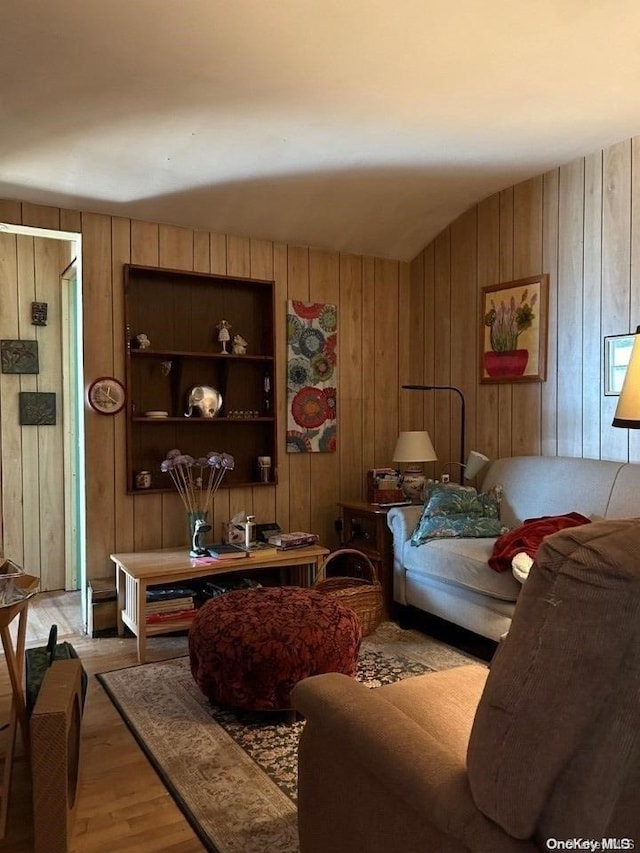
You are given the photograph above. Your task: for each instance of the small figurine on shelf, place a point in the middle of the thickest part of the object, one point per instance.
(239, 345)
(141, 341)
(224, 330)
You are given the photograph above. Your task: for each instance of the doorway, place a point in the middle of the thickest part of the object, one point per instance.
(42, 475)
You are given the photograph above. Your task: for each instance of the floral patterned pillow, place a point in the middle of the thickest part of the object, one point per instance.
(458, 511)
(457, 500)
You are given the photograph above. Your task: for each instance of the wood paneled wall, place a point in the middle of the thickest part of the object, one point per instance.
(580, 224)
(32, 474)
(398, 323)
(366, 291)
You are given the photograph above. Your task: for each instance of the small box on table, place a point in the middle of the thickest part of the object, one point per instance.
(297, 539)
(383, 485)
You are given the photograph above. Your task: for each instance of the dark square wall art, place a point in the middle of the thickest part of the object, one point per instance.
(37, 408)
(19, 356)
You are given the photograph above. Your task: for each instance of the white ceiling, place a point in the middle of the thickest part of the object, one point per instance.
(353, 125)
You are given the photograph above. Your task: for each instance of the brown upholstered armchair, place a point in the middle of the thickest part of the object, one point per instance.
(544, 745)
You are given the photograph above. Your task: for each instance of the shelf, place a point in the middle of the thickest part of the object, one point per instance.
(179, 312)
(201, 421)
(249, 484)
(216, 356)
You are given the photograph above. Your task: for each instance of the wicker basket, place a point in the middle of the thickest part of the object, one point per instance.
(362, 594)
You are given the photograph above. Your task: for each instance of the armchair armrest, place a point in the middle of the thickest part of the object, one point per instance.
(401, 521)
(353, 731)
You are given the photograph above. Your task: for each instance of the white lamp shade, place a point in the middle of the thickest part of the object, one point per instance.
(476, 463)
(628, 409)
(414, 446)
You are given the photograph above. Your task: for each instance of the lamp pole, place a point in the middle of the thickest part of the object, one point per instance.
(462, 412)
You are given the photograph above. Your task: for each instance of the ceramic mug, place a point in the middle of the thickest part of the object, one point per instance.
(143, 479)
(264, 466)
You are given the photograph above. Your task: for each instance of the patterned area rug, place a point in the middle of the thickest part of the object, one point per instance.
(233, 774)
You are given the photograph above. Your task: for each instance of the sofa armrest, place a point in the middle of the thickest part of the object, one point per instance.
(401, 520)
(353, 731)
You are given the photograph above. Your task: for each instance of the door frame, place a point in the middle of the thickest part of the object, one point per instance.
(73, 406)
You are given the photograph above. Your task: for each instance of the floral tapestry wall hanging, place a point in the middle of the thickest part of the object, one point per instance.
(513, 331)
(312, 331)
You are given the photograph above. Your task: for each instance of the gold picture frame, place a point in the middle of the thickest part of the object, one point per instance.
(513, 330)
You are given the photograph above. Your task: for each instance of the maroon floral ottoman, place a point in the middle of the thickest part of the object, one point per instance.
(249, 648)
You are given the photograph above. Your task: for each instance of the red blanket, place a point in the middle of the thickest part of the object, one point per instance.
(529, 536)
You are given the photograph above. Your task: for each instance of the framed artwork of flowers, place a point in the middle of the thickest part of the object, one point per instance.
(312, 332)
(513, 331)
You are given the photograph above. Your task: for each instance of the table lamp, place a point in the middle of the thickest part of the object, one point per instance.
(628, 408)
(414, 447)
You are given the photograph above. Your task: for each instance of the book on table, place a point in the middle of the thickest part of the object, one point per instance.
(226, 551)
(171, 616)
(297, 539)
(261, 548)
(169, 605)
(167, 592)
(168, 602)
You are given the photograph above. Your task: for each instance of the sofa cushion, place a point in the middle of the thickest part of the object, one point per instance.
(446, 699)
(555, 485)
(462, 563)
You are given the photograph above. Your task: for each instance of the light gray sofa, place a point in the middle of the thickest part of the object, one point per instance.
(451, 578)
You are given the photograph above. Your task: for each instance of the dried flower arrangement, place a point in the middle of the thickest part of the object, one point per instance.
(197, 480)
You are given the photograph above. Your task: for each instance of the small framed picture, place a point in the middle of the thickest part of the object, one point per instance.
(19, 356)
(617, 352)
(37, 408)
(39, 313)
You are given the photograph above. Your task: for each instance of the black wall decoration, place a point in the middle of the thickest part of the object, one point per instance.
(37, 408)
(39, 313)
(19, 356)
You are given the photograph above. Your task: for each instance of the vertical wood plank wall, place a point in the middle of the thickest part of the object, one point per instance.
(366, 291)
(579, 224)
(398, 323)
(32, 484)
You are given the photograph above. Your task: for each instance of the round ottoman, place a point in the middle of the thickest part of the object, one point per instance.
(249, 648)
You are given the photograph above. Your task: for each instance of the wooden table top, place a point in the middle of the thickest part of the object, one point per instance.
(176, 562)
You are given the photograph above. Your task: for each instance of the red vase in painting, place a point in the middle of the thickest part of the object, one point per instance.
(504, 364)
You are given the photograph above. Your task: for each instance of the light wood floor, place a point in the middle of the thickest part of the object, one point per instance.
(122, 804)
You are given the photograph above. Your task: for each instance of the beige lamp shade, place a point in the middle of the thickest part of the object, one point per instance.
(414, 446)
(628, 409)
